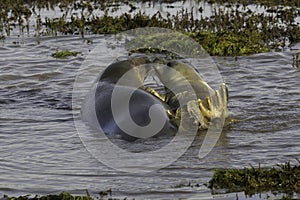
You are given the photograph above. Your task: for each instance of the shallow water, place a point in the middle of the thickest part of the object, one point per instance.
(41, 151)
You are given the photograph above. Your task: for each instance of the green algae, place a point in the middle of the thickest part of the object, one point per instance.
(172, 44)
(228, 43)
(64, 54)
(284, 178)
(240, 35)
(228, 32)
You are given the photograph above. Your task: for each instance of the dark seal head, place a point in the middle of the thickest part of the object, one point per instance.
(139, 105)
(137, 65)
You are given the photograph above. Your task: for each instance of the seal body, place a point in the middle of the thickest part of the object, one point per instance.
(207, 106)
(140, 102)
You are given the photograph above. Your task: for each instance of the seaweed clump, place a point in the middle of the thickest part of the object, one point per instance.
(61, 196)
(230, 31)
(64, 54)
(64, 196)
(281, 179)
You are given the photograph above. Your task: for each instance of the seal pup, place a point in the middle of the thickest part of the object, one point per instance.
(141, 101)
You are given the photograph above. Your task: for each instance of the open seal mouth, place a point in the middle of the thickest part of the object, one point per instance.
(212, 107)
(207, 109)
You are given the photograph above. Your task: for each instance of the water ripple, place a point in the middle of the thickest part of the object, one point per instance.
(41, 151)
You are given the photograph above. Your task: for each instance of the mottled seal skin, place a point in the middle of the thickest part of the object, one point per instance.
(140, 102)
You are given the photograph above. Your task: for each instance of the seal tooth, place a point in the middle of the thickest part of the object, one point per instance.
(170, 114)
(153, 92)
(224, 93)
(219, 100)
(225, 98)
(204, 120)
(224, 90)
(209, 103)
(204, 111)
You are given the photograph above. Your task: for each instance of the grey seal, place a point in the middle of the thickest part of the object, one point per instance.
(141, 101)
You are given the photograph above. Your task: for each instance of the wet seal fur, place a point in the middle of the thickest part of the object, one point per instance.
(141, 100)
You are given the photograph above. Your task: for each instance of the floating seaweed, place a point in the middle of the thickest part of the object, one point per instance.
(64, 54)
(61, 196)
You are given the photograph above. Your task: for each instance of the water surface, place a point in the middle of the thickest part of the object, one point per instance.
(42, 153)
